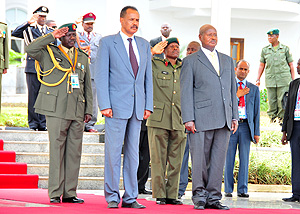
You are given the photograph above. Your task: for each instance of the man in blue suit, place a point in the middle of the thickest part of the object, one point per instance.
(248, 130)
(125, 95)
(29, 31)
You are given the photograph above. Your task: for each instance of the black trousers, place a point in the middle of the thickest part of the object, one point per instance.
(144, 157)
(35, 121)
(295, 151)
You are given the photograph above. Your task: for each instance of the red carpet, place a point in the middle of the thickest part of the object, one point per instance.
(97, 204)
(12, 174)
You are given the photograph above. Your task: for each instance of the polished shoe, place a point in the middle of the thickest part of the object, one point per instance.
(243, 195)
(173, 201)
(135, 205)
(217, 205)
(144, 191)
(73, 200)
(228, 194)
(161, 201)
(92, 130)
(55, 200)
(112, 204)
(199, 205)
(42, 129)
(291, 199)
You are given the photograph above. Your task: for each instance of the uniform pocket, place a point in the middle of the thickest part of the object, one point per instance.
(80, 106)
(46, 100)
(163, 79)
(202, 104)
(158, 110)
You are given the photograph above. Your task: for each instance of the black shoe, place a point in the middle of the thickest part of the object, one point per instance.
(112, 204)
(33, 129)
(161, 201)
(199, 205)
(135, 205)
(228, 194)
(173, 201)
(144, 191)
(179, 196)
(42, 129)
(73, 200)
(243, 195)
(55, 200)
(217, 205)
(291, 199)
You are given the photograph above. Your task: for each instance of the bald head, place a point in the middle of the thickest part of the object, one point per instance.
(208, 37)
(165, 29)
(192, 47)
(205, 28)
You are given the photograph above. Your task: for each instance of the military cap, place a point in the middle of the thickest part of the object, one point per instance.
(42, 10)
(72, 27)
(171, 40)
(273, 31)
(89, 17)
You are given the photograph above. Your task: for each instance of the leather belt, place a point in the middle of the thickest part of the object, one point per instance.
(243, 120)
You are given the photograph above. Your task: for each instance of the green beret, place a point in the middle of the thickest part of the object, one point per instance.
(171, 40)
(72, 27)
(273, 31)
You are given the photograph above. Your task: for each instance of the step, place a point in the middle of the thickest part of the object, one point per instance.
(43, 158)
(35, 146)
(85, 170)
(7, 156)
(1, 144)
(42, 136)
(13, 168)
(18, 181)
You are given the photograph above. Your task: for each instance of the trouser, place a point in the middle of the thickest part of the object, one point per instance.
(166, 152)
(144, 157)
(242, 138)
(275, 95)
(65, 138)
(35, 120)
(208, 152)
(90, 125)
(184, 172)
(295, 151)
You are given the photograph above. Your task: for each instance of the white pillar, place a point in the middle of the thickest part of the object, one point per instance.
(2, 11)
(221, 20)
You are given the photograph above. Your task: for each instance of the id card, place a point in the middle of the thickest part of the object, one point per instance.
(75, 81)
(242, 112)
(297, 114)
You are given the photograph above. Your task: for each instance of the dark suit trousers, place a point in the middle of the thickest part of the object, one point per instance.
(295, 151)
(35, 121)
(144, 157)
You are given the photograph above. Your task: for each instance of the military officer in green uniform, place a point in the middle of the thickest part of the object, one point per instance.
(165, 128)
(4, 54)
(65, 97)
(277, 60)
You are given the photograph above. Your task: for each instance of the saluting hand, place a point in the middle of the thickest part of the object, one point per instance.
(159, 47)
(34, 18)
(60, 32)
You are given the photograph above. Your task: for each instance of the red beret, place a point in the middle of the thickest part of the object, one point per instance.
(89, 17)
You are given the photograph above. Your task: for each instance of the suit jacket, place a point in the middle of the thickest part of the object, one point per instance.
(94, 44)
(153, 42)
(29, 33)
(253, 109)
(288, 120)
(206, 98)
(4, 48)
(55, 101)
(117, 87)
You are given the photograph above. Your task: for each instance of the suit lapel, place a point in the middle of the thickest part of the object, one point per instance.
(141, 49)
(121, 50)
(205, 61)
(248, 95)
(220, 58)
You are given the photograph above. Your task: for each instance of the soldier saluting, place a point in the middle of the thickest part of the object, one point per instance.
(65, 97)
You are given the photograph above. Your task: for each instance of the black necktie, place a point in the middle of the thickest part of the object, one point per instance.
(132, 58)
(42, 29)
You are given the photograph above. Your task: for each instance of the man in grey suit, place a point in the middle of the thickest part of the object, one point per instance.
(125, 97)
(165, 33)
(89, 41)
(209, 112)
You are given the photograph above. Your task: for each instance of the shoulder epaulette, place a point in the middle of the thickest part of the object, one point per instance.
(83, 52)
(158, 58)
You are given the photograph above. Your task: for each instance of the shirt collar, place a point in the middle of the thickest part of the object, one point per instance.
(67, 49)
(244, 81)
(125, 37)
(208, 52)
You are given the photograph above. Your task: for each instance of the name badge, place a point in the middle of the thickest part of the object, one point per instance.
(297, 114)
(242, 112)
(75, 81)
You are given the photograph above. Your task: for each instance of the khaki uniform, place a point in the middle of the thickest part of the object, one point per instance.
(165, 129)
(277, 76)
(4, 53)
(64, 110)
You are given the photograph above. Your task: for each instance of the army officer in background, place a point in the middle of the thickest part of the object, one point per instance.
(65, 97)
(4, 53)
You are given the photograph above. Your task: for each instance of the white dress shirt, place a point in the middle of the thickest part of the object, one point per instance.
(134, 45)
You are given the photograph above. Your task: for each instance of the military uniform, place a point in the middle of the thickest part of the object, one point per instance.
(277, 76)
(4, 53)
(165, 129)
(65, 108)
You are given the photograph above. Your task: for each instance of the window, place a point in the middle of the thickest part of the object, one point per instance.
(236, 49)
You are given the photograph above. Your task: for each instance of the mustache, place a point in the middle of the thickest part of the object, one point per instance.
(134, 26)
